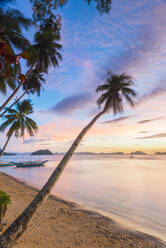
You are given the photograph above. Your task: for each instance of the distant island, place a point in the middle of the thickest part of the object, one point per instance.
(42, 152)
(138, 153)
(160, 153)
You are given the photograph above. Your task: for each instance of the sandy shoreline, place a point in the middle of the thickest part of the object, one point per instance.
(63, 224)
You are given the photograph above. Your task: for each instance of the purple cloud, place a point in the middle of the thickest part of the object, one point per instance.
(74, 103)
(144, 131)
(116, 120)
(147, 36)
(150, 120)
(159, 135)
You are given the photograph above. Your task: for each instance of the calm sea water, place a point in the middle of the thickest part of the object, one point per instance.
(133, 191)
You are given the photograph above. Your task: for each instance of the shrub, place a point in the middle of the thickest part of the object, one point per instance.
(4, 199)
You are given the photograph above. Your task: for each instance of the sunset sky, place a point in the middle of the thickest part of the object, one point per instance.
(131, 39)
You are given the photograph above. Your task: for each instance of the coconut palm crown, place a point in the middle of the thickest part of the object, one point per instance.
(45, 50)
(34, 83)
(117, 88)
(18, 122)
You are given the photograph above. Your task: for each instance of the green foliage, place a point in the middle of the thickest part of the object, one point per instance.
(45, 51)
(11, 38)
(43, 10)
(17, 120)
(103, 6)
(116, 88)
(34, 82)
(11, 23)
(4, 198)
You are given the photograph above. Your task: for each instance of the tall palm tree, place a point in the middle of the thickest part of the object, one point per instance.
(11, 23)
(18, 122)
(115, 88)
(43, 54)
(45, 49)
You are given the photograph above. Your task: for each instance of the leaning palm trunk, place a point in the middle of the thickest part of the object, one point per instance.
(1, 216)
(3, 150)
(16, 90)
(18, 99)
(3, 209)
(15, 230)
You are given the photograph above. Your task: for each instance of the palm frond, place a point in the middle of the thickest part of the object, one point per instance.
(117, 88)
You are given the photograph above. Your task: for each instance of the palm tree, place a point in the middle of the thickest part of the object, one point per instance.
(115, 88)
(43, 54)
(33, 84)
(45, 49)
(18, 121)
(11, 23)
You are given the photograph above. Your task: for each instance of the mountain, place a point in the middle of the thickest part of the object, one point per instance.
(160, 153)
(42, 152)
(138, 153)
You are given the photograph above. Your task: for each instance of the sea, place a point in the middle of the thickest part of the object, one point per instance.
(132, 191)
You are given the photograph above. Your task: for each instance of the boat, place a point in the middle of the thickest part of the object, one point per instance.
(2, 164)
(30, 164)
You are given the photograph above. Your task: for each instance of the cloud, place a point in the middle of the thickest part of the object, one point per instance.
(159, 135)
(157, 90)
(74, 103)
(144, 131)
(29, 141)
(147, 35)
(116, 120)
(150, 120)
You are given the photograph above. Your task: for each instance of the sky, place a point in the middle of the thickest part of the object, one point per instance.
(130, 39)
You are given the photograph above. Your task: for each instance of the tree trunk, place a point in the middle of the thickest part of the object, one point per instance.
(2, 152)
(15, 230)
(18, 99)
(3, 209)
(15, 91)
(1, 216)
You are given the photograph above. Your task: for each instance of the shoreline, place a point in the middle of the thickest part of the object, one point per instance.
(61, 223)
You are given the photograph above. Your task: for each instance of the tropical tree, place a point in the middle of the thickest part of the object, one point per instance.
(117, 88)
(43, 10)
(18, 122)
(40, 56)
(34, 83)
(45, 50)
(12, 23)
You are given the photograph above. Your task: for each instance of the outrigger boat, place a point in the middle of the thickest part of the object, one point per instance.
(2, 164)
(29, 164)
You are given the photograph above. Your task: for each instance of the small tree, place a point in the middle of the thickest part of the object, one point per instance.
(4, 201)
(17, 121)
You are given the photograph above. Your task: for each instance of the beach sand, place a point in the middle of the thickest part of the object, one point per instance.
(62, 224)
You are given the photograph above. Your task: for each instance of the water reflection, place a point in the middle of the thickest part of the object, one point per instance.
(132, 190)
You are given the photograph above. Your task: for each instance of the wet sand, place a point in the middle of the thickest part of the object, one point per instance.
(62, 224)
